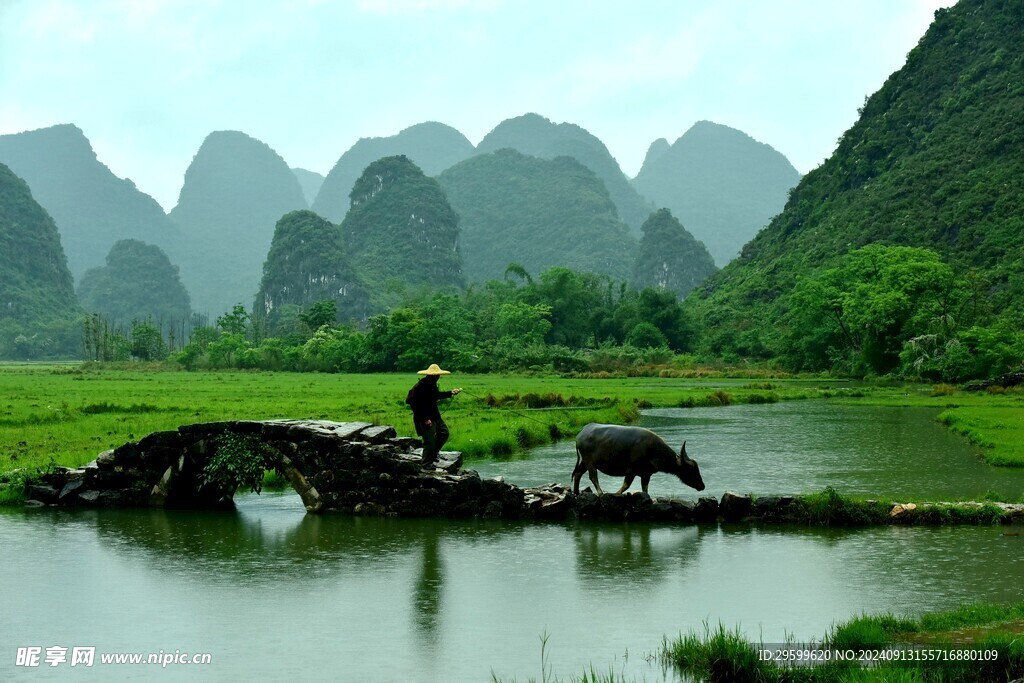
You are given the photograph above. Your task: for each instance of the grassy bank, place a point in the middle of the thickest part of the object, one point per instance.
(832, 509)
(998, 430)
(725, 655)
(992, 420)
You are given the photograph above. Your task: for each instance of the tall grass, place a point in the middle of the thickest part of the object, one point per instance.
(869, 632)
(830, 508)
(724, 655)
(721, 655)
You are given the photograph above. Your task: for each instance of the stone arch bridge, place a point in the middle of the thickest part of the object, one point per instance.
(345, 466)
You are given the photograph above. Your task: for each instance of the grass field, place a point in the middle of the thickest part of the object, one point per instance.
(67, 414)
(71, 413)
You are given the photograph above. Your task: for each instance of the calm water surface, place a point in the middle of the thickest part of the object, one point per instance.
(273, 593)
(799, 447)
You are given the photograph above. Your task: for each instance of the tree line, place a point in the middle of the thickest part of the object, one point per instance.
(564, 320)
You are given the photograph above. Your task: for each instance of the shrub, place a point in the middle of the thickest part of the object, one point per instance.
(718, 398)
(238, 460)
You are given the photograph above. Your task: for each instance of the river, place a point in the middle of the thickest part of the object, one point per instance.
(271, 592)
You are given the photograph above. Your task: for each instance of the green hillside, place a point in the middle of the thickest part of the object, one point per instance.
(307, 264)
(722, 184)
(535, 135)
(38, 309)
(670, 257)
(400, 231)
(138, 282)
(91, 206)
(432, 146)
(935, 162)
(235, 190)
(538, 213)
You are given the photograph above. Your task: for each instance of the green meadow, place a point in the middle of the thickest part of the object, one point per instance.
(67, 414)
(71, 413)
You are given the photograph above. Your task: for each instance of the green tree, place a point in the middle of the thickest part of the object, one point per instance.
(660, 308)
(334, 350)
(646, 336)
(320, 313)
(576, 301)
(526, 323)
(147, 341)
(138, 281)
(443, 334)
(863, 311)
(519, 271)
(387, 337)
(235, 322)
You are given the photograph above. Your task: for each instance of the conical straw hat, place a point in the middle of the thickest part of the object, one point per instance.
(433, 370)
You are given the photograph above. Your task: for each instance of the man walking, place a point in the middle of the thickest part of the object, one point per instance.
(426, 418)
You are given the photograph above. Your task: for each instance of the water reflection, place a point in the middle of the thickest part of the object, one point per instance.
(384, 599)
(232, 543)
(429, 588)
(638, 553)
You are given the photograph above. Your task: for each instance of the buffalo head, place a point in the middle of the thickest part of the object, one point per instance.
(688, 471)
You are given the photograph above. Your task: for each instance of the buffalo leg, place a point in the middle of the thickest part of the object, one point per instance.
(576, 476)
(593, 477)
(645, 479)
(626, 483)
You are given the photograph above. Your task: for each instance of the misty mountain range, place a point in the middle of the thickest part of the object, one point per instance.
(722, 185)
(902, 251)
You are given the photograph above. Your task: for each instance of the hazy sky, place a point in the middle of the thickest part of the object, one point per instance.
(147, 80)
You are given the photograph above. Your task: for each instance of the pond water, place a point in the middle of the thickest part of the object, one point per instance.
(799, 447)
(273, 593)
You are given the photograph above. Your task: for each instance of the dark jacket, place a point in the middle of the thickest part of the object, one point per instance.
(423, 398)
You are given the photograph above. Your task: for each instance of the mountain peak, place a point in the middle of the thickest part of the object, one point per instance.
(537, 136)
(235, 190)
(91, 206)
(722, 184)
(431, 145)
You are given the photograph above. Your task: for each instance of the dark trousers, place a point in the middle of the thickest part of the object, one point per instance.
(434, 438)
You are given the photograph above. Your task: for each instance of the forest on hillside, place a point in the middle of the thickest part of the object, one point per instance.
(904, 251)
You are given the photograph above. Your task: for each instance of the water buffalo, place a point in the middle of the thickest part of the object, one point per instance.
(629, 452)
